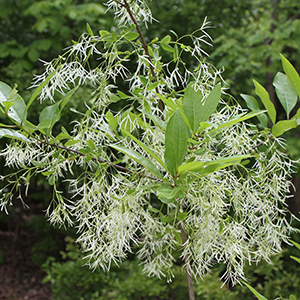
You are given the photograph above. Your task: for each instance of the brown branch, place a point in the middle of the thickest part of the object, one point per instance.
(145, 47)
(186, 261)
(121, 168)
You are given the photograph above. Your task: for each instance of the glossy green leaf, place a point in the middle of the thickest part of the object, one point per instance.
(205, 168)
(10, 133)
(192, 106)
(71, 143)
(251, 102)
(51, 113)
(265, 98)
(45, 124)
(131, 36)
(12, 102)
(285, 92)
(256, 293)
(253, 105)
(210, 104)
(282, 126)
(291, 73)
(167, 47)
(191, 166)
(166, 40)
(51, 179)
(139, 158)
(158, 121)
(176, 137)
(235, 120)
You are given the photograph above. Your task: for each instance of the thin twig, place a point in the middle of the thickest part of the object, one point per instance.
(121, 168)
(186, 261)
(145, 47)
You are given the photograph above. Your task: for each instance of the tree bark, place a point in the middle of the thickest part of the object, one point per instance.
(186, 261)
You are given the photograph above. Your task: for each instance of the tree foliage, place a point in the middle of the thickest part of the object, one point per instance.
(175, 171)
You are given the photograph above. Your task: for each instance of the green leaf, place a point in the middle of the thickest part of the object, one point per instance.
(291, 73)
(181, 216)
(282, 126)
(45, 124)
(167, 102)
(51, 113)
(106, 36)
(89, 29)
(147, 149)
(265, 98)
(285, 92)
(178, 237)
(297, 259)
(235, 120)
(194, 166)
(51, 179)
(176, 137)
(256, 293)
(196, 111)
(14, 104)
(112, 121)
(10, 133)
(192, 106)
(292, 297)
(167, 193)
(71, 143)
(296, 244)
(153, 86)
(166, 219)
(91, 144)
(205, 168)
(158, 121)
(131, 36)
(166, 40)
(211, 103)
(167, 47)
(176, 53)
(251, 102)
(165, 190)
(139, 158)
(33, 54)
(253, 105)
(7, 105)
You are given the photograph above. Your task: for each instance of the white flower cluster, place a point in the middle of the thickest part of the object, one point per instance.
(139, 10)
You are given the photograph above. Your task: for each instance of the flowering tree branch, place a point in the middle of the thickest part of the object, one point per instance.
(201, 185)
(145, 47)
